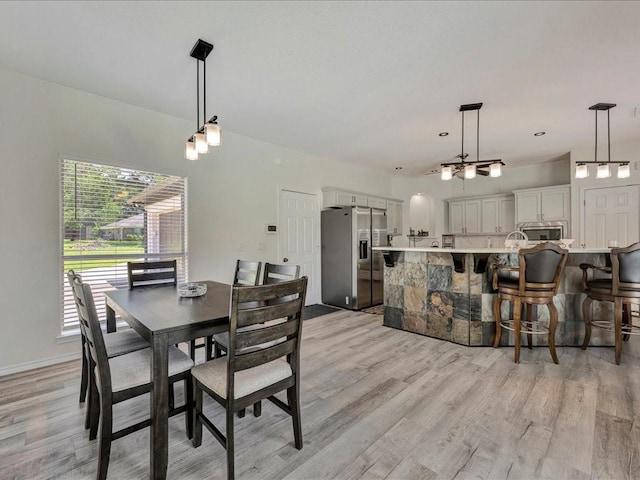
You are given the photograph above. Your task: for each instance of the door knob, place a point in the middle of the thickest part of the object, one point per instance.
(285, 259)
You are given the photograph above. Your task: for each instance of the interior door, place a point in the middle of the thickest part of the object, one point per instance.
(610, 214)
(299, 238)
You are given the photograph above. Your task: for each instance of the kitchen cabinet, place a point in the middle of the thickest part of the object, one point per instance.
(394, 217)
(547, 204)
(484, 215)
(498, 214)
(337, 198)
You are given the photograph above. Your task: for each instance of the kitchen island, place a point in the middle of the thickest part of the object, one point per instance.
(447, 294)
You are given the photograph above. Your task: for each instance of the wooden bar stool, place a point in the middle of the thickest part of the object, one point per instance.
(622, 288)
(539, 269)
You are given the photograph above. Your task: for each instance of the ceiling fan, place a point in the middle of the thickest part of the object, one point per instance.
(483, 167)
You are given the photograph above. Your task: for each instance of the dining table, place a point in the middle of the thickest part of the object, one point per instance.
(162, 317)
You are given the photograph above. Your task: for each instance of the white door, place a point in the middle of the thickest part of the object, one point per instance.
(300, 237)
(610, 214)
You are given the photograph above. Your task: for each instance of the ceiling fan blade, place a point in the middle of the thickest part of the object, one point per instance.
(482, 172)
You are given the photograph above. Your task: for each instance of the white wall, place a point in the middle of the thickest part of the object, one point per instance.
(513, 178)
(233, 192)
(627, 151)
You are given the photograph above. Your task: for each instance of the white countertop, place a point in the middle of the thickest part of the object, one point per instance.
(479, 250)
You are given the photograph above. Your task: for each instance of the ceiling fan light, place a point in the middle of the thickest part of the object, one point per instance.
(470, 172)
(582, 170)
(603, 171)
(201, 143)
(447, 173)
(190, 152)
(495, 170)
(212, 132)
(624, 171)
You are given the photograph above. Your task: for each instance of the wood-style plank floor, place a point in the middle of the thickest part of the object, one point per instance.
(376, 403)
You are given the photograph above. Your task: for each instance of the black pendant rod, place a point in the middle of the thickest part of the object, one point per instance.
(596, 148)
(608, 137)
(478, 138)
(462, 146)
(204, 96)
(198, 95)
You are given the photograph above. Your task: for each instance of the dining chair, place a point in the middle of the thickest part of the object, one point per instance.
(254, 368)
(273, 273)
(116, 344)
(122, 378)
(538, 276)
(620, 286)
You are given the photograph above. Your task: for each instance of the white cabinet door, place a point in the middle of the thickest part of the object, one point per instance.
(472, 216)
(490, 215)
(506, 214)
(394, 218)
(345, 199)
(456, 217)
(554, 205)
(528, 207)
(375, 202)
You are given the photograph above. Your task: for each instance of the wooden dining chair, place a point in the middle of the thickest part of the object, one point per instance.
(251, 371)
(539, 269)
(620, 286)
(116, 344)
(122, 378)
(273, 274)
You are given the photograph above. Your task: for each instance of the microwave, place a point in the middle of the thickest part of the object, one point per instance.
(538, 232)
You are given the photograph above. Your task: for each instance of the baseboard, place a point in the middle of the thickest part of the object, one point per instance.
(23, 367)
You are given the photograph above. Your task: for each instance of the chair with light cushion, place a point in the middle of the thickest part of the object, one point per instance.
(122, 378)
(251, 371)
(539, 270)
(116, 344)
(621, 286)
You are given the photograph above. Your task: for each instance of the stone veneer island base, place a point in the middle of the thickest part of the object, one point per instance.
(447, 294)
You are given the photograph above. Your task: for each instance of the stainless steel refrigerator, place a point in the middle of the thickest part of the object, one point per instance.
(352, 273)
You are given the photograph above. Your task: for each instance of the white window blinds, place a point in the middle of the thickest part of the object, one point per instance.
(111, 216)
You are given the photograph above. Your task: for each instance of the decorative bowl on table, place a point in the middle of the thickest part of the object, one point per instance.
(192, 289)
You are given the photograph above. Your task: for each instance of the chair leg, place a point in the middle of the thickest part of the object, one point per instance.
(553, 322)
(530, 320)
(626, 321)
(84, 378)
(172, 397)
(104, 448)
(230, 443)
(257, 409)
(517, 310)
(90, 396)
(242, 412)
(208, 348)
(617, 318)
(192, 349)
(94, 407)
(496, 315)
(188, 395)
(586, 314)
(197, 421)
(217, 351)
(293, 397)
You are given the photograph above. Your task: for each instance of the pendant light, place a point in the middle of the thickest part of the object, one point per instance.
(208, 134)
(471, 169)
(603, 169)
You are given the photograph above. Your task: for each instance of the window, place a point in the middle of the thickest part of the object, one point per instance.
(111, 216)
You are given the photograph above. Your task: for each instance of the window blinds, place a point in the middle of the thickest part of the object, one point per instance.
(111, 216)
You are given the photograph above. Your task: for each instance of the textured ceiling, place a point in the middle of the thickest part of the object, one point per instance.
(371, 83)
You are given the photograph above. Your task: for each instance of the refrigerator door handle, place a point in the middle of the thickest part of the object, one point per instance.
(364, 249)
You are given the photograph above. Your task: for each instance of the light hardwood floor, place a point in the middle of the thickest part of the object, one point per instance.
(377, 403)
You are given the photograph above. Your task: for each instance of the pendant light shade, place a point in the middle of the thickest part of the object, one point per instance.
(190, 152)
(582, 170)
(495, 170)
(624, 171)
(470, 172)
(209, 133)
(603, 171)
(447, 173)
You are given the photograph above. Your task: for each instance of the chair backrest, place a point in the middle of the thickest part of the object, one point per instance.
(541, 267)
(93, 332)
(625, 269)
(152, 274)
(274, 273)
(250, 348)
(70, 276)
(247, 273)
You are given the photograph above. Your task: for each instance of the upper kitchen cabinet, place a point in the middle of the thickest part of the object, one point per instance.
(342, 198)
(547, 204)
(394, 217)
(482, 215)
(498, 214)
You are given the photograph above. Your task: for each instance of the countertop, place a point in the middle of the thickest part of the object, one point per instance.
(479, 250)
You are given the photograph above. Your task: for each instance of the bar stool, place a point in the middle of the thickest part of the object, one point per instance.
(539, 269)
(622, 288)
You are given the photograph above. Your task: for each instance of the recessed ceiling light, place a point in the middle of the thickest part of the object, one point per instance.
(443, 134)
(539, 134)
(398, 168)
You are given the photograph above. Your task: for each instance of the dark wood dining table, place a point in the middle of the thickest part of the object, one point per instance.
(164, 318)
